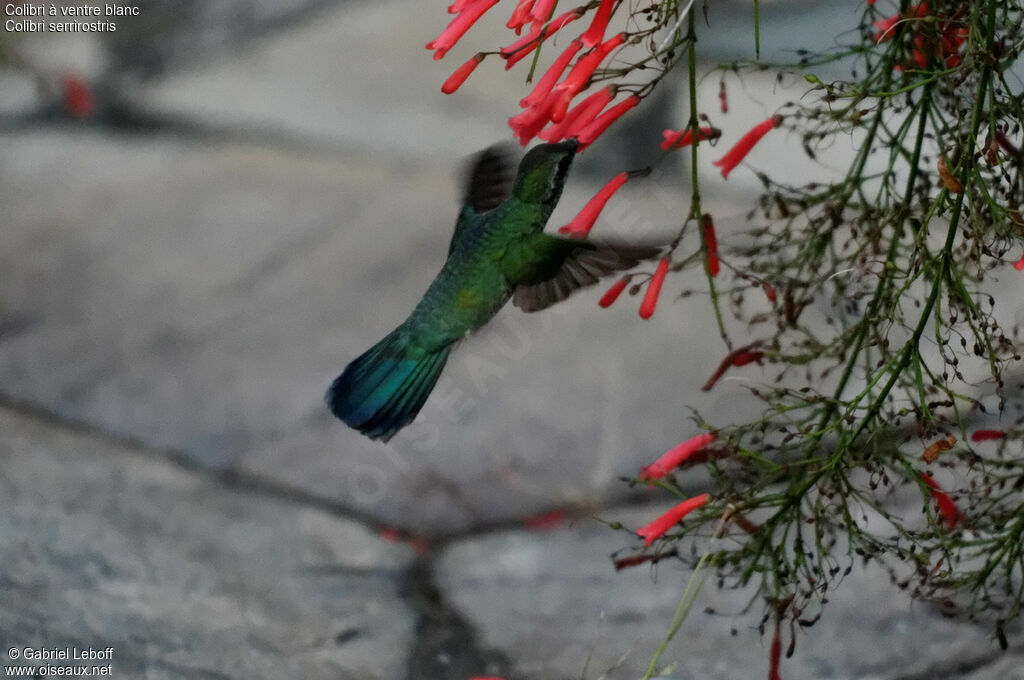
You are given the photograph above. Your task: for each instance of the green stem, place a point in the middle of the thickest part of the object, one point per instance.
(696, 211)
(693, 587)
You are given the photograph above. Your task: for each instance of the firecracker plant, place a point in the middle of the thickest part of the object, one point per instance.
(868, 300)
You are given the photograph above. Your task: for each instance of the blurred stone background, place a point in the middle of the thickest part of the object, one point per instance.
(260, 192)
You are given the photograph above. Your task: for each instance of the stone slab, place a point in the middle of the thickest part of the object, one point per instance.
(104, 547)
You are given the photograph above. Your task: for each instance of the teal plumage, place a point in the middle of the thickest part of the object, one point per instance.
(497, 252)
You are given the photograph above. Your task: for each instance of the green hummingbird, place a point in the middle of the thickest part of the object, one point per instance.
(498, 252)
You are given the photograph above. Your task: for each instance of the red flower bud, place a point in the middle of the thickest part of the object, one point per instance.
(581, 225)
(654, 289)
(947, 508)
(987, 435)
(456, 79)
(738, 152)
(662, 524)
(613, 293)
(712, 246)
(676, 456)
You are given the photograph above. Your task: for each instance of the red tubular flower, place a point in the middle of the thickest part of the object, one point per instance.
(456, 79)
(739, 151)
(520, 15)
(585, 67)
(595, 34)
(711, 241)
(579, 116)
(78, 99)
(581, 225)
(551, 76)
(987, 435)
(1019, 264)
(459, 5)
(658, 527)
(677, 139)
(561, 20)
(654, 289)
(542, 10)
(458, 27)
(558, 113)
(675, 457)
(521, 45)
(596, 127)
(527, 124)
(769, 291)
(518, 50)
(947, 508)
(613, 293)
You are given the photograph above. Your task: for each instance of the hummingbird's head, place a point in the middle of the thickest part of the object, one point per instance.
(543, 171)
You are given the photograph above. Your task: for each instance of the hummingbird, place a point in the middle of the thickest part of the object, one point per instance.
(497, 252)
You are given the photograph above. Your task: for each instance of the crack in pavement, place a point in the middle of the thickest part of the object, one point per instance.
(234, 478)
(446, 645)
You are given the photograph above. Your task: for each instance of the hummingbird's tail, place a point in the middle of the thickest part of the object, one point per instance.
(381, 392)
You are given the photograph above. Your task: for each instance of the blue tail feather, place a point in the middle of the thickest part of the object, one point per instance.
(381, 392)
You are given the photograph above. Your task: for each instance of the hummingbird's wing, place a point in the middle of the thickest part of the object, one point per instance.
(565, 265)
(489, 177)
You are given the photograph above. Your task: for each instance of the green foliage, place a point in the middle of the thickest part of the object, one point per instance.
(885, 336)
